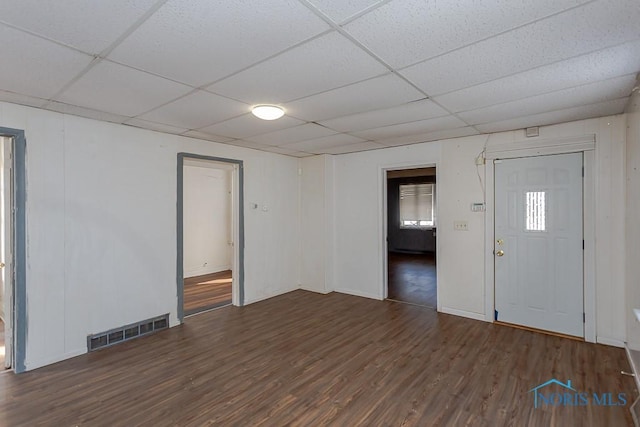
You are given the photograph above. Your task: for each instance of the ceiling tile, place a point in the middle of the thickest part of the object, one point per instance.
(85, 112)
(207, 136)
(247, 144)
(207, 40)
(36, 67)
(196, 110)
(351, 148)
(604, 64)
(90, 26)
(317, 144)
(405, 32)
(117, 89)
(430, 136)
(285, 151)
(582, 95)
(144, 124)
(268, 148)
(339, 10)
(17, 98)
(375, 93)
(410, 112)
(560, 116)
(412, 128)
(291, 135)
(301, 154)
(586, 29)
(319, 65)
(249, 125)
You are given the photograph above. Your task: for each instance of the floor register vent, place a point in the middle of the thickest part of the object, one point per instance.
(126, 333)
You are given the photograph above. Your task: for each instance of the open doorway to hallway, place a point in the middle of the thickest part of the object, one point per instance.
(208, 246)
(411, 236)
(6, 253)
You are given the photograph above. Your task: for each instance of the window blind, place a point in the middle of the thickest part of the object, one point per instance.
(416, 204)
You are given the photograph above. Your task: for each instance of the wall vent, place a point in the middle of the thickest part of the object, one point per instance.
(127, 332)
(532, 131)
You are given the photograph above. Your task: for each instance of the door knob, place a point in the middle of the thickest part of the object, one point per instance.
(500, 253)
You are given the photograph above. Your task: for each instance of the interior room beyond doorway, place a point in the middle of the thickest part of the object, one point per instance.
(208, 235)
(411, 236)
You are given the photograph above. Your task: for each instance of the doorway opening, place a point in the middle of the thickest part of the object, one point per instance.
(12, 250)
(411, 236)
(6, 254)
(210, 234)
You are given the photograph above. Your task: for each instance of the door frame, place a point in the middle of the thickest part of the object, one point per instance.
(237, 189)
(543, 147)
(383, 225)
(19, 303)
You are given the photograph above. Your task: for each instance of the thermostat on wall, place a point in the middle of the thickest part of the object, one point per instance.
(477, 207)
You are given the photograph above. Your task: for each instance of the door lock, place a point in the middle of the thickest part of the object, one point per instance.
(500, 253)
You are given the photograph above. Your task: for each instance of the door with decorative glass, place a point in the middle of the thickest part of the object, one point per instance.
(539, 243)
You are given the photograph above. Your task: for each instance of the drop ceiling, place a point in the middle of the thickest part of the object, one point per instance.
(353, 75)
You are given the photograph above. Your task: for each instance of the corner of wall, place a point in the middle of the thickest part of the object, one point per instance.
(632, 206)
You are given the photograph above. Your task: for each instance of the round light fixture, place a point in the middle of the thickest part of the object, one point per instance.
(267, 112)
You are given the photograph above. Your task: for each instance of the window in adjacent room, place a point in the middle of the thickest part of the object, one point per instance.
(417, 205)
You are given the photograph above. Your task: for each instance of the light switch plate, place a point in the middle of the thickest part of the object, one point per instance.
(461, 225)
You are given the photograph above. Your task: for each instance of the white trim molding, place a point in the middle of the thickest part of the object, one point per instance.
(356, 293)
(463, 313)
(611, 341)
(541, 147)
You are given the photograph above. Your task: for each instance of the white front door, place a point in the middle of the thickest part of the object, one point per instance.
(539, 247)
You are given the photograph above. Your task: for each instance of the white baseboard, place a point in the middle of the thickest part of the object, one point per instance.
(610, 341)
(277, 293)
(206, 270)
(634, 368)
(318, 291)
(463, 313)
(30, 365)
(358, 293)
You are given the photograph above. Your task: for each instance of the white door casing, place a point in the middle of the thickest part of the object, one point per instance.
(539, 242)
(6, 240)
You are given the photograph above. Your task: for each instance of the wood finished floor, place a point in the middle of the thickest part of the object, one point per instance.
(305, 359)
(412, 278)
(207, 292)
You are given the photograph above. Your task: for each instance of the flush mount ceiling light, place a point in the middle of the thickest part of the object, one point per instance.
(267, 112)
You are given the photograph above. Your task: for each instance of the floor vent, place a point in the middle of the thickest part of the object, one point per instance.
(126, 333)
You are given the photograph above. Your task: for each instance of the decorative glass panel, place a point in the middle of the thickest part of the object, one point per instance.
(535, 215)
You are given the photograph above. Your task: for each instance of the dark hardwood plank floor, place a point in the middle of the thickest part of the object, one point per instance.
(412, 278)
(207, 292)
(304, 359)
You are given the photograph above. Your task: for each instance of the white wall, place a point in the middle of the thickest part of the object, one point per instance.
(633, 220)
(101, 226)
(359, 181)
(207, 220)
(460, 269)
(316, 223)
